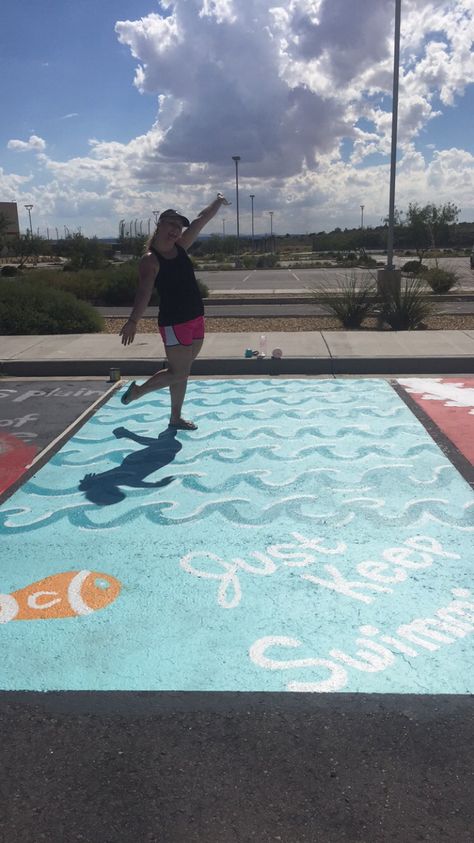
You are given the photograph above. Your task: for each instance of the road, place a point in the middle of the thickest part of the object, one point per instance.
(299, 280)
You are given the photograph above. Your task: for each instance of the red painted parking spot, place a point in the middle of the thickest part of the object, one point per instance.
(15, 456)
(450, 404)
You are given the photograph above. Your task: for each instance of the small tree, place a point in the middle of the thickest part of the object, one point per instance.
(84, 252)
(27, 247)
(429, 223)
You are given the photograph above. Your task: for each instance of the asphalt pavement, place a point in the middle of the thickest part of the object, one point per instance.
(236, 768)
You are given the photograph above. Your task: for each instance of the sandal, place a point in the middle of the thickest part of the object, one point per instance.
(182, 424)
(126, 397)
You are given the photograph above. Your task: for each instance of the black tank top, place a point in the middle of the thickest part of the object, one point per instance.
(180, 299)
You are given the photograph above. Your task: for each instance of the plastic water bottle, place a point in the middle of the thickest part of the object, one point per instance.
(263, 345)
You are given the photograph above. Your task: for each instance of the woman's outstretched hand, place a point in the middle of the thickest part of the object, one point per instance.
(128, 332)
(223, 199)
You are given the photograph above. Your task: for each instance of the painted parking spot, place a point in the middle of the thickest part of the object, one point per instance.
(310, 536)
(450, 403)
(33, 414)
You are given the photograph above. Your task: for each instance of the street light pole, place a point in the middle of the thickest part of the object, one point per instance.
(389, 278)
(223, 226)
(271, 230)
(28, 208)
(236, 158)
(362, 216)
(393, 157)
(252, 197)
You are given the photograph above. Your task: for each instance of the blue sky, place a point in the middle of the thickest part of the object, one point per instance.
(68, 61)
(114, 109)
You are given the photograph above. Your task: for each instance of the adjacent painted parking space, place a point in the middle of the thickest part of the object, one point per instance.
(450, 403)
(33, 414)
(310, 536)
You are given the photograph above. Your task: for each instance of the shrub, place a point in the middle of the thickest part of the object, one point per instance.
(29, 307)
(9, 271)
(351, 302)
(407, 308)
(440, 280)
(266, 261)
(115, 285)
(119, 285)
(413, 267)
(366, 260)
(85, 284)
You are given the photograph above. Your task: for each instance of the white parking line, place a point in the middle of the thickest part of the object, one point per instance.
(247, 276)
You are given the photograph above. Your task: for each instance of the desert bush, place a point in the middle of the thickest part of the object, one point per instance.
(413, 267)
(407, 308)
(366, 260)
(249, 261)
(351, 302)
(9, 271)
(29, 307)
(266, 261)
(116, 285)
(85, 284)
(440, 280)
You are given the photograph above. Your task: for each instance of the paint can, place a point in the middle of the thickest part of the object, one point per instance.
(114, 375)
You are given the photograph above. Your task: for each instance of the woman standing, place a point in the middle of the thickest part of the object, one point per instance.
(181, 312)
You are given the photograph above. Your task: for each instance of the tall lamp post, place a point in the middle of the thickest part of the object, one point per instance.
(271, 230)
(362, 217)
(155, 214)
(393, 156)
(390, 278)
(252, 197)
(236, 158)
(28, 208)
(223, 226)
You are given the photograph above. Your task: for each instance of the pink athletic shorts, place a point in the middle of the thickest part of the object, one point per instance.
(185, 333)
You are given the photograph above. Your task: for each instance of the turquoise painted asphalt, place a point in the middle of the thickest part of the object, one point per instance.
(310, 536)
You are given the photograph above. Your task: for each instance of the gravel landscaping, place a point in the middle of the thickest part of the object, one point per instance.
(258, 324)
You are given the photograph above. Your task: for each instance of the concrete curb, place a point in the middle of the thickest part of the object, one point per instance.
(250, 367)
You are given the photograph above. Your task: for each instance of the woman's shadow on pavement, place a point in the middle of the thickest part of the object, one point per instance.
(103, 489)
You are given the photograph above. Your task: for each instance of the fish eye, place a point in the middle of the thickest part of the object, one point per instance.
(101, 584)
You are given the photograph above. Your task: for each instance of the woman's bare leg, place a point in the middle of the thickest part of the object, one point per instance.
(180, 358)
(178, 389)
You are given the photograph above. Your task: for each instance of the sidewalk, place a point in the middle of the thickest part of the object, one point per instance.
(305, 353)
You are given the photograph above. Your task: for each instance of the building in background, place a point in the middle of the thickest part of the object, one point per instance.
(10, 211)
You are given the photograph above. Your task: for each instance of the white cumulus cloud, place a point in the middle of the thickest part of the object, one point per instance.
(34, 144)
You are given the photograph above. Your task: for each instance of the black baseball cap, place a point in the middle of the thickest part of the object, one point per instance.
(170, 214)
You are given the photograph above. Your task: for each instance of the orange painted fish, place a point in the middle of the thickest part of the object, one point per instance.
(64, 595)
